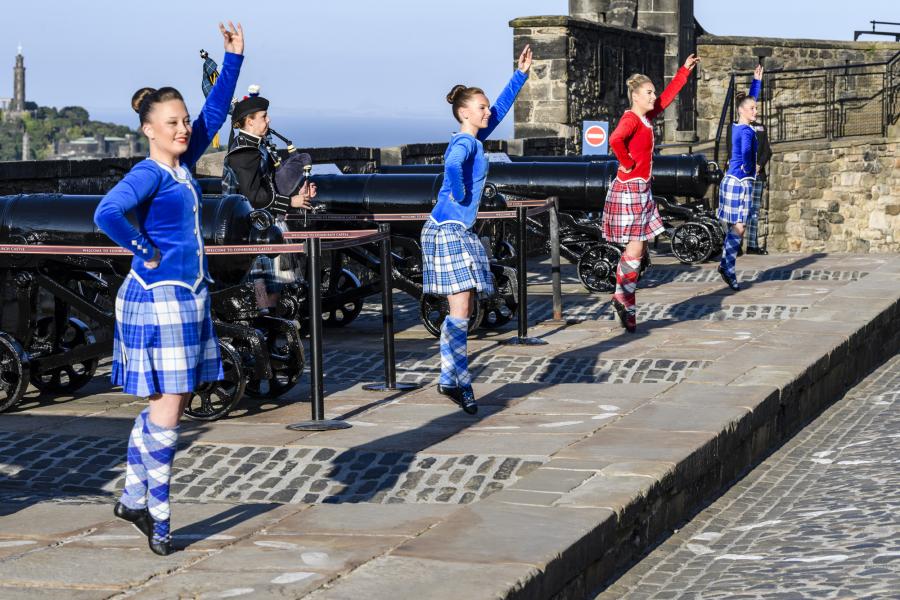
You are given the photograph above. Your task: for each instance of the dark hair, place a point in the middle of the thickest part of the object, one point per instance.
(143, 100)
(742, 99)
(461, 94)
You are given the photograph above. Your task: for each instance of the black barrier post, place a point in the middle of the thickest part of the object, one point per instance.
(522, 276)
(387, 319)
(554, 260)
(316, 384)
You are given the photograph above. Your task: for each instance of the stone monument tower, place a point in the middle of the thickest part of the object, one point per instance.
(18, 103)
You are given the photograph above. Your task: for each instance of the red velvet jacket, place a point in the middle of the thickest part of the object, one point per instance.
(632, 141)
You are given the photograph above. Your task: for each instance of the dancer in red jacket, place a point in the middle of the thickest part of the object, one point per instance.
(630, 215)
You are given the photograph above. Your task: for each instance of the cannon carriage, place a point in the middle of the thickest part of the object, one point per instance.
(61, 275)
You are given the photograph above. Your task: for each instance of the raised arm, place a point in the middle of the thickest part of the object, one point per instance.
(671, 91)
(462, 147)
(138, 186)
(756, 84)
(215, 109)
(507, 97)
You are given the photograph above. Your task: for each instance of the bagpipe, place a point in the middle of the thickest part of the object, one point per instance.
(291, 168)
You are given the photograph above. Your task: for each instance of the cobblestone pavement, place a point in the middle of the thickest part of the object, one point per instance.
(417, 494)
(418, 367)
(81, 465)
(820, 518)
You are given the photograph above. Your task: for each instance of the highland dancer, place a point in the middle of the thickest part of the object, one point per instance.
(736, 189)
(455, 263)
(630, 215)
(164, 344)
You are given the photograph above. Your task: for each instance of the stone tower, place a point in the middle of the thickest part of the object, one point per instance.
(18, 103)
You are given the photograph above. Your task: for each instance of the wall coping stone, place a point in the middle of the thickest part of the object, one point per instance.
(566, 21)
(734, 40)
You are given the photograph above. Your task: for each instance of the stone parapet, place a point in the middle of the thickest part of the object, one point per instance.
(841, 196)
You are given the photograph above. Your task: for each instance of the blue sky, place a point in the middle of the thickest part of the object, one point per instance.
(342, 71)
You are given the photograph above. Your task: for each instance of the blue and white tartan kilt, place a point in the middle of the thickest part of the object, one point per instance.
(454, 260)
(164, 341)
(734, 199)
(275, 272)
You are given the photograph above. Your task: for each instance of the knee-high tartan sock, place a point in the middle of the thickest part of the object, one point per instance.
(448, 366)
(159, 444)
(135, 493)
(626, 281)
(454, 353)
(729, 251)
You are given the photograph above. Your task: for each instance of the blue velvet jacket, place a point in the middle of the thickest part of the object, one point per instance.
(166, 202)
(465, 166)
(742, 163)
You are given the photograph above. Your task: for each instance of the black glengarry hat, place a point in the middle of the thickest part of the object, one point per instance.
(249, 104)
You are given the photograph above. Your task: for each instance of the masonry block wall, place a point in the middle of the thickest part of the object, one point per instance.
(841, 196)
(579, 73)
(723, 54)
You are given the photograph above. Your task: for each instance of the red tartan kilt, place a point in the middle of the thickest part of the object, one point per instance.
(630, 212)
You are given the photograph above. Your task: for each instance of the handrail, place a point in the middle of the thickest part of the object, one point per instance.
(895, 57)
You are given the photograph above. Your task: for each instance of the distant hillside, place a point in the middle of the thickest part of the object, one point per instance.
(46, 125)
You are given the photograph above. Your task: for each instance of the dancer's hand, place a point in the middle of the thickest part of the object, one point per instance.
(691, 62)
(525, 59)
(758, 72)
(234, 37)
(153, 262)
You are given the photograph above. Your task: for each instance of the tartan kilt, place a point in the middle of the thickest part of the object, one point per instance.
(734, 199)
(275, 272)
(630, 213)
(454, 260)
(164, 341)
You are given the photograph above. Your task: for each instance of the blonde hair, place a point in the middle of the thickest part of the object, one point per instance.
(635, 82)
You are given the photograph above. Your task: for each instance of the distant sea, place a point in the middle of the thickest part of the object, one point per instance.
(324, 131)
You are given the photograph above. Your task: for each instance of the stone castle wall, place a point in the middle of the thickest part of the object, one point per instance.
(579, 73)
(841, 196)
(723, 54)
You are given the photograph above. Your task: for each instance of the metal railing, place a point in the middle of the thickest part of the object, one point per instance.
(819, 103)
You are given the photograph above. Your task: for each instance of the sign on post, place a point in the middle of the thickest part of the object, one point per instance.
(595, 137)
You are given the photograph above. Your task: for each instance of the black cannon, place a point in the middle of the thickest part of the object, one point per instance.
(46, 345)
(581, 186)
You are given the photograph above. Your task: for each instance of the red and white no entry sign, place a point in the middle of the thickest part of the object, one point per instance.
(595, 136)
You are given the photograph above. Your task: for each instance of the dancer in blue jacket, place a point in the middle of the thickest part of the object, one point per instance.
(164, 344)
(455, 262)
(737, 185)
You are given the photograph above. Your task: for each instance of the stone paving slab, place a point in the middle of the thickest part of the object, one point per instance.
(585, 450)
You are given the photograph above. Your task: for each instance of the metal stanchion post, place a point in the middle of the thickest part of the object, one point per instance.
(522, 275)
(316, 384)
(387, 319)
(554, 261)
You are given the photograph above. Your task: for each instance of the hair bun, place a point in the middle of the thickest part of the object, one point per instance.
(139, 96)
(455, 92)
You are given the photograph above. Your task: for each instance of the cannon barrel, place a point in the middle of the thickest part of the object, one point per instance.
(582, 184)
(377, 193)
(68, 220)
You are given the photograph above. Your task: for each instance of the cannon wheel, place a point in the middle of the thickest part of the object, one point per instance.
(69, 378)
(213, 400)
(14, 371)
(434, 309)
(347, 312)
(500, 310)
(597, 267)
(287, 360)
(503, 250)
(692, 243)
